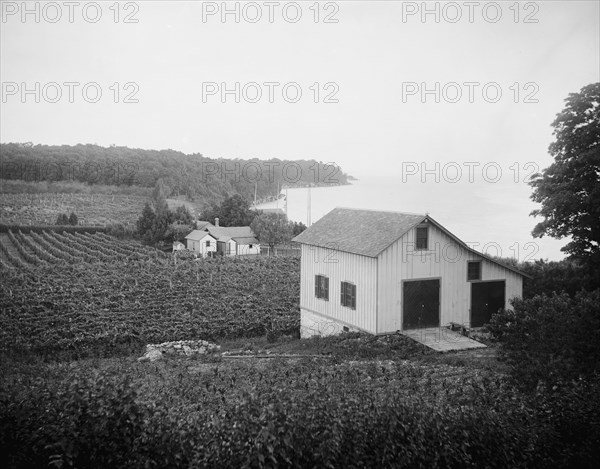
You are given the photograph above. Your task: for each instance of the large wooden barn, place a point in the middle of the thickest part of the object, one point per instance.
(383, 272)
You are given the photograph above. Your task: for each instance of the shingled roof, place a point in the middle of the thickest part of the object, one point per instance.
(240, 234)
(364, 232)
(197, 235)
(369, 232)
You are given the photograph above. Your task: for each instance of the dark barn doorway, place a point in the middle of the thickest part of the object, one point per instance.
(421, 304)
(486, 299)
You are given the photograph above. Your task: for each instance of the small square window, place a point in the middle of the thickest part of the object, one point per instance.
(473, 270)
(422, 238)
(322, 287)
(348, 295)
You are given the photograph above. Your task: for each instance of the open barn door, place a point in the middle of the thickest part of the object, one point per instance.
(486, 299)
(421, 304)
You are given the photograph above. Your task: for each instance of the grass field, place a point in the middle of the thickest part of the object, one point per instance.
(91, 209)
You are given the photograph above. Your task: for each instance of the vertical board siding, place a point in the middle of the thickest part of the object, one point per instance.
(340, 267)
(445, 260)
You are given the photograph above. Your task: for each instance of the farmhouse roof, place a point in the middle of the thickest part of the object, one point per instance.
(364, 232)
(240, 234)
(197, 235)
(202, 225)
(369, 232)
(250, 240)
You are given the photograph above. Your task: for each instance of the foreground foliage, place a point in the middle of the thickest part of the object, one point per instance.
(550, 338)
(289, 413)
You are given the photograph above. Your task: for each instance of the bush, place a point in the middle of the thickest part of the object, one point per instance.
(285, 414)
(118, 230)
(62, 219)
(567, 276)
(93, 420)
(550, 338)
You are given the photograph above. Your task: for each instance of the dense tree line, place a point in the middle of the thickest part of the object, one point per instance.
(190, 175)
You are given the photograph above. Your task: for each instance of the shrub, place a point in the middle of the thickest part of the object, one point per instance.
(549, 338)
(62, 219)
(91, 420)
(304, 414)
(567, 276)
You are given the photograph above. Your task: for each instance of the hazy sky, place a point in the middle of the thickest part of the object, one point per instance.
(373, 59)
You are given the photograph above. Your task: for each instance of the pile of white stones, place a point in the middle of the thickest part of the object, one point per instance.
(187, 348)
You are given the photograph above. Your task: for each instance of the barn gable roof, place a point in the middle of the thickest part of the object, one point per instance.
(364, 232)
(370, 232)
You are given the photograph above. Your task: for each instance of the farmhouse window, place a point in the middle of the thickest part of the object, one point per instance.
(208, 243)
(322, 287)
(474, 270)
(348, 295)
(422, 238)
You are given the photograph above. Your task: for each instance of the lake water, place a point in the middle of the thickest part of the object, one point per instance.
(493, 218)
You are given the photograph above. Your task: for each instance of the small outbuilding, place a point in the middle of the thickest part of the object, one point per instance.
(178, 246)
(383, 272)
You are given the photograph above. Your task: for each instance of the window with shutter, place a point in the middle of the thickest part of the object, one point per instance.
(322, 287)
(348, 295)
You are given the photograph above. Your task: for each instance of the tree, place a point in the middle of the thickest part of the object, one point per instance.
(177, 232)
(73, 219)
(182, 215)
(272, 229)
(210, 212)
(160, 226)
(146, 221)
(234, 211)
(297, 228)
(569, 189)
(62, 219)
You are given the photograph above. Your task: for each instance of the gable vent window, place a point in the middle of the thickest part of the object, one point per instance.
(422, 237)
(348, 295)
(474, 270)
(322, 287)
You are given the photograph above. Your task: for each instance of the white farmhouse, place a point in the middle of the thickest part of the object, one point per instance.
(201, 242)
(224, 240)
(383, 272)
(235, 240)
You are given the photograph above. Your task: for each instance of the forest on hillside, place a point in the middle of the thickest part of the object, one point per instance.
(192, 176)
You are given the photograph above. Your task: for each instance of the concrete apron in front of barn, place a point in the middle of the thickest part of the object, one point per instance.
(442, 339)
